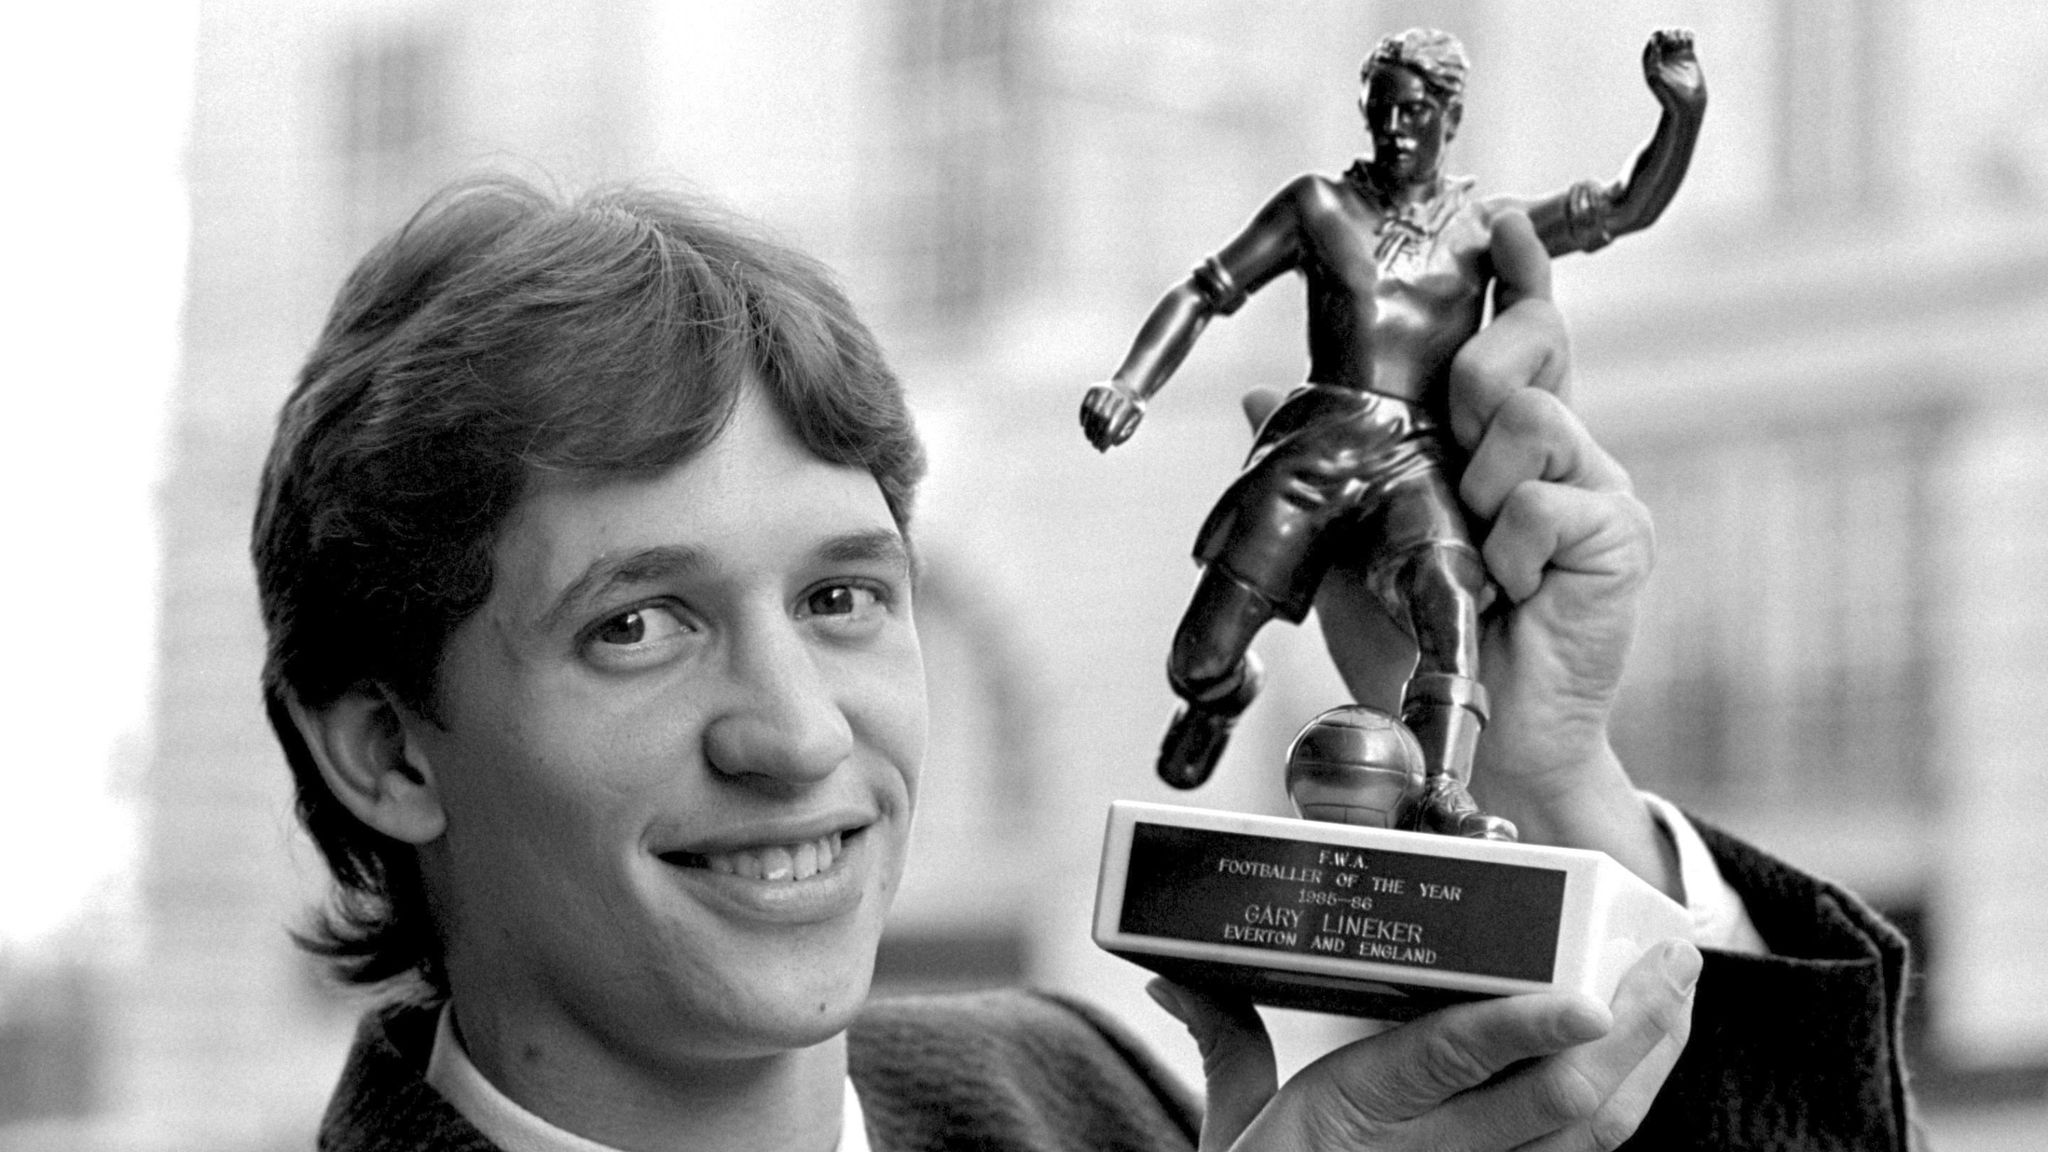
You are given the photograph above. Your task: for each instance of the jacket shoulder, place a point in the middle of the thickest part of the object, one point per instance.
(383, 1102)
(1799, 1049)
(1012, 1070)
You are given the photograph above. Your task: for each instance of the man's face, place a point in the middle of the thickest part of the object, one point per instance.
(677, 750)
(1409, 125)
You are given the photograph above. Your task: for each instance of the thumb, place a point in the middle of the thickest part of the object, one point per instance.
(1259, 404)
(1410, 1070)
(1237, 1058)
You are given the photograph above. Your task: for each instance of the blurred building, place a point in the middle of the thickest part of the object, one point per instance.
(1824, 367)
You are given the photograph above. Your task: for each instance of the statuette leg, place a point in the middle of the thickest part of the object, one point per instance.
(1446, 713)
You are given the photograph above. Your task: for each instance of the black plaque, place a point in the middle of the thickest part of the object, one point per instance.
(1342, 902)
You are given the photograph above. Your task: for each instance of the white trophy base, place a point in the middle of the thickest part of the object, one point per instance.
(1365, 921)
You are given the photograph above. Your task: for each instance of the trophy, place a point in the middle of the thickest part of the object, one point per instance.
(1394, 892)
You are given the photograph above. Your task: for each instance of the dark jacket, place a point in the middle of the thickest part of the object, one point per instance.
(1799, 1049)
(996, 1070)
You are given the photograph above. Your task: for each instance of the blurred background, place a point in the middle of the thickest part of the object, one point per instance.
(1824, 367)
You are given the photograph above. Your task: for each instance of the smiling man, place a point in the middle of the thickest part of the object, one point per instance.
(583, 549)
(582, 546)
(683, 734)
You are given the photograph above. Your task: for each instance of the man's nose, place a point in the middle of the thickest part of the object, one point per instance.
(781, 721)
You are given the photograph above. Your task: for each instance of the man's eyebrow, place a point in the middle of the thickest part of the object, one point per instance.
(653, 565)
(880, 544)
(608, 572)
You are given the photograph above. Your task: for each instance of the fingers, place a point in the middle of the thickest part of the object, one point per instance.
(1411, 1071)
(1521, 266)
(1592, 1095)
(1552, 1071)
(1533, 436)
(1597, 1095)
(1550, 527)
(1109, 415)
(1259, 404)
(1666, 41)
(1237, 1058)
(1554, 496)
(1526, 345)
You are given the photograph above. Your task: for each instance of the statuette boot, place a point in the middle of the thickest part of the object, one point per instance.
(1201, 729)
(1447, 713)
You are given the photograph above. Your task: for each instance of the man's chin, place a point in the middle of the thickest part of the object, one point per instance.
(806, 1013)
(804, 1023)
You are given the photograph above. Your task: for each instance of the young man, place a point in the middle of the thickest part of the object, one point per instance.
(583, 550)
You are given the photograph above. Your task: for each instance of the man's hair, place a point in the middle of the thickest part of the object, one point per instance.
(1435, 56)
(500, 338)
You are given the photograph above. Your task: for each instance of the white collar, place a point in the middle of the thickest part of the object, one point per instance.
(451, 1073)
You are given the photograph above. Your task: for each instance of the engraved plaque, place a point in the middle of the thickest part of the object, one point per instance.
(1362, 921)
(1403, 908)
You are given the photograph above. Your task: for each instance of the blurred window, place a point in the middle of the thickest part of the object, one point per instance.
(1783, 658)
(390, 109)
(963, 196)
(970, 902)
(1832, 127)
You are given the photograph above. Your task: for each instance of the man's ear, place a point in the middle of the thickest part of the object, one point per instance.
(1453, 116)
(372, 765)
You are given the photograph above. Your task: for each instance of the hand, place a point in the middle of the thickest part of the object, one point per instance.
(1552, 1072)
(1109, 414)
(1671, 69)
(1569, 546)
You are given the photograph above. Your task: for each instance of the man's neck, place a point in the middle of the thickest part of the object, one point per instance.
(1391, 191)
(787, 1100)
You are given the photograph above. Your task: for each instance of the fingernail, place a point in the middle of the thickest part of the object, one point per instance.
(1681, 965)
(1162, 995)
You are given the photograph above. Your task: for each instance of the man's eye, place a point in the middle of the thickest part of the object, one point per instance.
(841, 600)
(635, 636)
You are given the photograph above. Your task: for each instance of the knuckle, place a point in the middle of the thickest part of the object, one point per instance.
(1565, 1096)
(1340, 1120)
(1638, 526)
(1335, 1111)
(1476, 491)
(1547, 317)
(1529, 413)
(1521, 510)
(1636, 514)
(1673, 1015)
(1449, 1065)
(1611, 1127)
(1623, 479)
(1476, 369)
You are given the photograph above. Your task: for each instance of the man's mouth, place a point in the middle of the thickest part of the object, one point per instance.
(771, 862)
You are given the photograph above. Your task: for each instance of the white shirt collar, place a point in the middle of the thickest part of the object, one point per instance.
(1720, 919)
(451, 1073)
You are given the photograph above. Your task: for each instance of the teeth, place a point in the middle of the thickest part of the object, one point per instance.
(780, 862)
